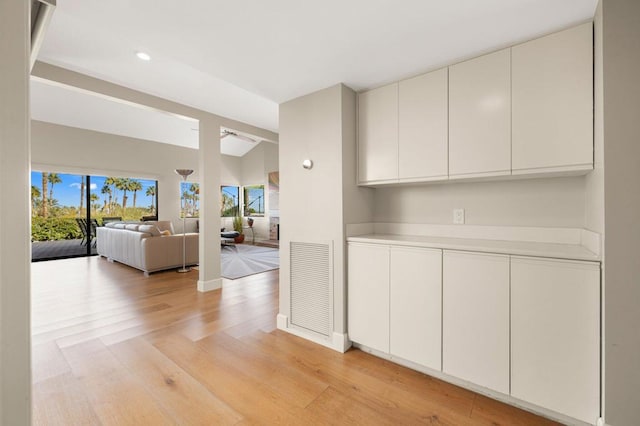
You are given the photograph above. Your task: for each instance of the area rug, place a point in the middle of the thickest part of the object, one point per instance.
(242, 259)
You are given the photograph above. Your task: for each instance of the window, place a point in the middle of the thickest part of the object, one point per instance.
(230, 203)
(189, 199)
(62, 206)
(253, 200)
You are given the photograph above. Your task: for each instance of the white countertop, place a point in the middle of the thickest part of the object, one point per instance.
(520, 248)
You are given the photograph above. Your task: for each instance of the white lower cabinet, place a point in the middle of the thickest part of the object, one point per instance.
(527, 327)
(555, 340)
(475, 318)
(416, 305)
(368, 295)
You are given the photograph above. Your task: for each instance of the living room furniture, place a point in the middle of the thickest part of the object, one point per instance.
(144, 247)
(228, 238)
(108, 219)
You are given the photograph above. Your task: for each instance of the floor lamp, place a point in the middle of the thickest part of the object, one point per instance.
(185, 174)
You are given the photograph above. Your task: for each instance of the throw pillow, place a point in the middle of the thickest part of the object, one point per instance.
(151, 229)
(165, 232)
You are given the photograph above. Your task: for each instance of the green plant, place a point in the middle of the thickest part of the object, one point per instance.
(57, 228)
(237, 224)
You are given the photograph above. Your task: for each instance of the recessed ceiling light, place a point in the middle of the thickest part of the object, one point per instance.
(143, 56)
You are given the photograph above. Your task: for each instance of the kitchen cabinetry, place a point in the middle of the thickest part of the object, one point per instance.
(422, 127)
(527, 109)
(552, 85)
(555, 340)
(480, 116)
(416, 305)
(378, 134)
(475, 318)
(368, 295)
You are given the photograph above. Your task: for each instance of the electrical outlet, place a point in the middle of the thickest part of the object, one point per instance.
(458, 216)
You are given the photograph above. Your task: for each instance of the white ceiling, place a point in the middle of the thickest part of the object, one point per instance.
(241, 58)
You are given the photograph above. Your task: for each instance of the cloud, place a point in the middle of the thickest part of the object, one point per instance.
(77, 185)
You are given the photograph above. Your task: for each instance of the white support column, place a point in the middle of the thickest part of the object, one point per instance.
(209, 176)
(15, 247)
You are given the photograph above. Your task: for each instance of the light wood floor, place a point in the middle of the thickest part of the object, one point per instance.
(113, 347)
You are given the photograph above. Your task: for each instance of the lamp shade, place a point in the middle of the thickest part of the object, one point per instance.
(184, 172)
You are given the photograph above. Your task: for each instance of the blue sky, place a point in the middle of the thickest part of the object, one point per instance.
(68, 191)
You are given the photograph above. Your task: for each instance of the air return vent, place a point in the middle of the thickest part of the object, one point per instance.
(312, 287)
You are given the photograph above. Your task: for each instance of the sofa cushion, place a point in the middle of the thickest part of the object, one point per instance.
(151, 229)
(131, 227)
(120, 225)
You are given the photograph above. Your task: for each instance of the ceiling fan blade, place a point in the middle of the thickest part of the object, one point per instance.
(226, 133)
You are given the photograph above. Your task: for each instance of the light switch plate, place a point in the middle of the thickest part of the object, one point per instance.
(458, 216)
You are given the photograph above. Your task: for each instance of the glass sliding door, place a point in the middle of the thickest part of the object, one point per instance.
(67, 209)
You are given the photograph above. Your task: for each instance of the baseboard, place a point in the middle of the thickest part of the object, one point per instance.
(338, 341)
(204, 286)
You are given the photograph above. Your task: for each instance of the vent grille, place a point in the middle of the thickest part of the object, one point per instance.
(312, 286)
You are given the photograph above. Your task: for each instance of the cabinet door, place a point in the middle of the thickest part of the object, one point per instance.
(423, 127)
(553, 101)
(475, 318)
(368, 295)
(480, 116)
(555, 335)
(416, 305)
(378, 134)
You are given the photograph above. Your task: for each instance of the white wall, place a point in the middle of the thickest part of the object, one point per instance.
(621, 126)
(231, 170)
(71, 150)
(15, 248)
(321, 127)
(555, 202)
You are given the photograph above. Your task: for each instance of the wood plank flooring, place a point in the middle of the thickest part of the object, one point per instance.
(112, 347)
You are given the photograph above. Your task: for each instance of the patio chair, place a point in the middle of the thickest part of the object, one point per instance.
(82, 224)
(93, 232)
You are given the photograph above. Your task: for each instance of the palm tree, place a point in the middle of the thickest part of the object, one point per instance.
(124, 185)
(82, 188)
(106, 189)
(111, 183)
(93, 198)
(53, 178)
(151, 191)
(45, 202)
(135, 187)
(194, 196)
(35, 194)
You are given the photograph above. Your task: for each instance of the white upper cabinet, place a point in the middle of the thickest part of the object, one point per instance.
(480, 116)
(422, 127)
(522, 110)
(553, 102)
(416, 305)
(378, 135)
(555, 335)
(475, 318)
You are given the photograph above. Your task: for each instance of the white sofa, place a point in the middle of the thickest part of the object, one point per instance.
(143, 245)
